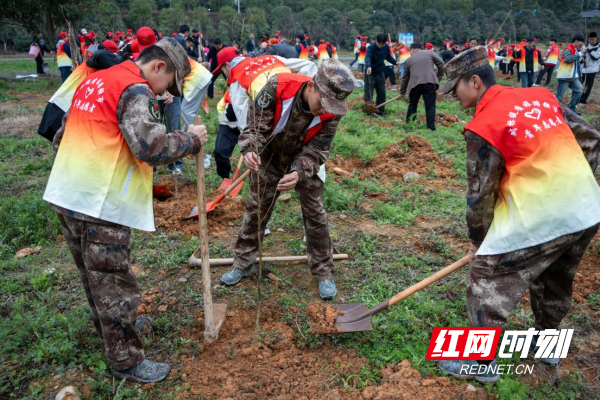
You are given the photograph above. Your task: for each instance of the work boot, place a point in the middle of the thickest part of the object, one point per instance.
(327, 289)
(143, 324)
(234, 275)
(145, 372)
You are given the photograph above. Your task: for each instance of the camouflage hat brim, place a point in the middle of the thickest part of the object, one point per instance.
(449, 86)
(176, 88)
(333, 106)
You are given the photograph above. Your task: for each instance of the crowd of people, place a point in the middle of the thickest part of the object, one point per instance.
(118, 114)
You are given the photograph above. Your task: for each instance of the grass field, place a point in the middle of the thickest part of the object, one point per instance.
(395, 232)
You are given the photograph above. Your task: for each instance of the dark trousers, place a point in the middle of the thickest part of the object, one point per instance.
(503, 68)
(588, 83)
(526, 78)
(427, 90)
(390, 74)
(211, 87)
(548, 69)
(39, 61)
(65, 72)
(355, 59)
(376, 81)
(227, 138)
(511, 68)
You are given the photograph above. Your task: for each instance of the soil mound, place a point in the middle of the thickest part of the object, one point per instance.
(413, 154)
(169, 214)
(322, 317)
(275, 368)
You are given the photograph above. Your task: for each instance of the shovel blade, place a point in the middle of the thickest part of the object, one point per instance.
(355, 318)
(211, 206)
(193, 214)
(237, 189)
(219, 315)
(225, 184)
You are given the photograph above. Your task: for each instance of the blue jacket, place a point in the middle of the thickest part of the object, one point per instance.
(376, 57)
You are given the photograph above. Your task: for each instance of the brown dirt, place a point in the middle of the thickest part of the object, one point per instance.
(587, 279)
(442, 119)
(413, 154)
(169, 214)
(322, 317)
(275, 368)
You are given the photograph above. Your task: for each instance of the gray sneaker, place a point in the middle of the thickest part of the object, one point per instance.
(327, 289)
(490, 375)
(234, 275)
(145, 372)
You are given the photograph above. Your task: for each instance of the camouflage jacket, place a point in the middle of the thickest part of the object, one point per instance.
(287, 149)
(485, 167)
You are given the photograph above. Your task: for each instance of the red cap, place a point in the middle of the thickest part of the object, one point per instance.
(358, 36)
(501, 39)
(277, 33)
(513, 45)
(321, 41)
(88, 36)
(135, 47)
(491, 41)
(63, 34)
(129, 31)
(110, 46)
(93, 34)
(224, 55)
(117, 33)
(145, 37)
(428, 46)
(109, 33)
(173, 34)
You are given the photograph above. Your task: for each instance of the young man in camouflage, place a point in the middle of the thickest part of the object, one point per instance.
(289, 133)
(101, 187)
(533, 205)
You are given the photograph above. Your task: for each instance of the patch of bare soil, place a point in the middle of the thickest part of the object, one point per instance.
(322, 317)
(587, 279)
(413, 154)
(275, 368)
(170, 214)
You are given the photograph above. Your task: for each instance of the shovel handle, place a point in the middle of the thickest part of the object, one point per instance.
(237, 169)
(428, 281)
(236, 183)
(389, 101)
(209, 321)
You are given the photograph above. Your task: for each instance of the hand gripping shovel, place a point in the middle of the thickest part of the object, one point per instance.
(214, 314)
(357, 318)
(228, 181)
(211, 206)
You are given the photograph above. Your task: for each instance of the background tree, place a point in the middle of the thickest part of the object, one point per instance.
(170, 19)
(282, 18)
(108, 16)
(140, 13)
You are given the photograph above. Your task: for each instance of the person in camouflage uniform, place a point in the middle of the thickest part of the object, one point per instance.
(284, 160)
(101, 248)
(498, 280)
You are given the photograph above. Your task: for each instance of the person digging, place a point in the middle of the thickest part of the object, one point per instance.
(533, 205)
(101, 186)
(290, 129)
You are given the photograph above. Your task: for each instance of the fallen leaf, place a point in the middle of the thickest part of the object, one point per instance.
(28, 251)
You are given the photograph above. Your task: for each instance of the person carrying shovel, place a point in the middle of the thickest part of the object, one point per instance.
(101, 186)
(533, 205)
(290, 129)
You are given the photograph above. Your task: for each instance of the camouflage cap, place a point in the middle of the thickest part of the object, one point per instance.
(463, 63)
(335, 82)
(180, 61)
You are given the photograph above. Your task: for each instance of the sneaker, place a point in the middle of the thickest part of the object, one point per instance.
(177, 171)
(143, 324)
(234, 276)
(547, 360)
(267, 231)
(145, 372)
(458, 368)
(327, 289)
(535, 85)
(490, 375)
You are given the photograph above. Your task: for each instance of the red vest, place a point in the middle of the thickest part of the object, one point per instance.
(288, 86)
(248, 69)
(548, 189)
(303, 52)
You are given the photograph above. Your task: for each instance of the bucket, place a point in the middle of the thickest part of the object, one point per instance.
(34, 51)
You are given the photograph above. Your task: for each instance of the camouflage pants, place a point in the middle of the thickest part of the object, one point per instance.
(310, 192)
(497, 283)
(101, 254)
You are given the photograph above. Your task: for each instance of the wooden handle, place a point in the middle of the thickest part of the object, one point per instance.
(240, 162)
(194, 261)
(389, 101)
(209, 321)
(428, 281)
(237, 182)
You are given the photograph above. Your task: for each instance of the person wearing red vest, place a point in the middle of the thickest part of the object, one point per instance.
(533, 205)
(101, 186)
(550, 62)
(290, 131)
(63, 55)
(530, 62)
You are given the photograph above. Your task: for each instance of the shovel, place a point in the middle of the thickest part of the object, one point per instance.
(214, 314)
(228, 181)
(369, 108)
(161, 192)
(357, 317)
(211, 206)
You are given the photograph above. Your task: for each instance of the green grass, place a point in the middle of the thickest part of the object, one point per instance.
(45, 322)
(27, 66)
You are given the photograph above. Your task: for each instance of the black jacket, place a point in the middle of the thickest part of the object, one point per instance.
(283, 49)
(376, 57)
(529, 58)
